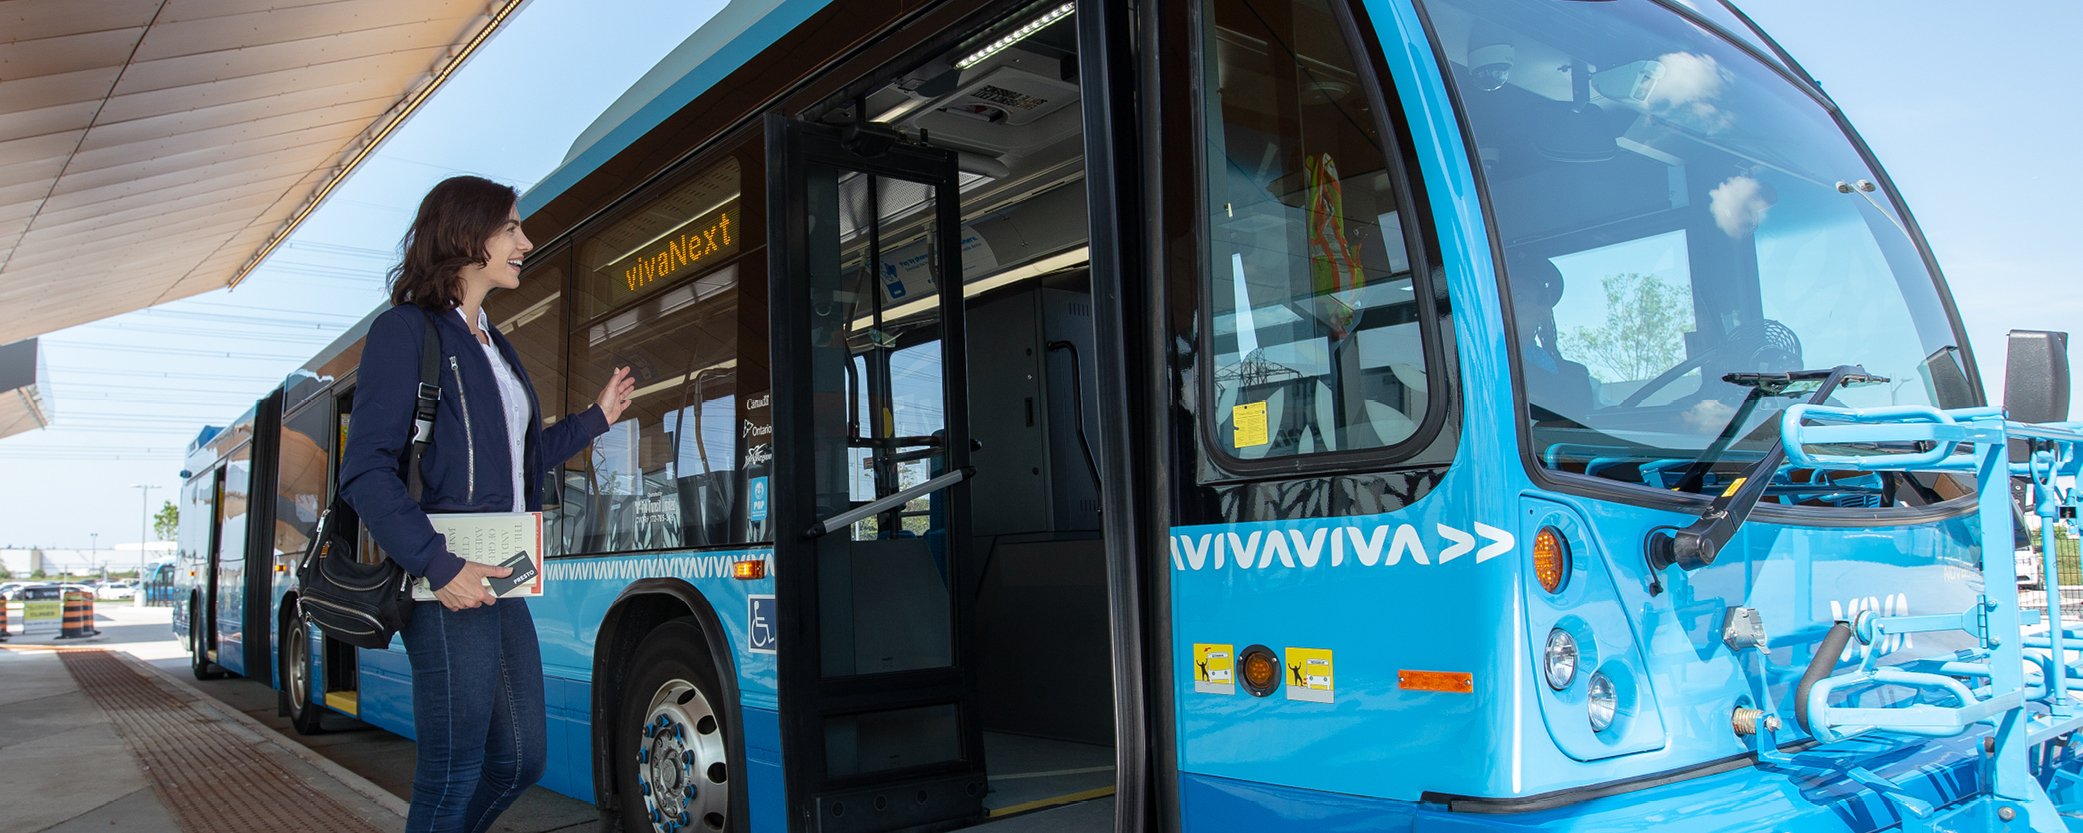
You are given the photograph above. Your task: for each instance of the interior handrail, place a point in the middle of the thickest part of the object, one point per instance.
(886, 503)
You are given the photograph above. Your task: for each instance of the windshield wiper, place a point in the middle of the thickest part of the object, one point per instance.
(1698, 544)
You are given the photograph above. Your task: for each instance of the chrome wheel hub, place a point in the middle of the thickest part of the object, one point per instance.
(682, 768)
(299, 669)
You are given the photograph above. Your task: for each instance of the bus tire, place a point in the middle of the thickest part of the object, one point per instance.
(672, 758)
(199, 662)
(306, 716)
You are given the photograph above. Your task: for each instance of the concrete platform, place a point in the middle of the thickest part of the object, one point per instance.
(94, 739)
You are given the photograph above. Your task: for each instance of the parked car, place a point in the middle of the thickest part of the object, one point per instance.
(117, 589)
(2030, 568)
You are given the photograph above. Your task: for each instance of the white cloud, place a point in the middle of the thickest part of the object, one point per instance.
(1739, 205)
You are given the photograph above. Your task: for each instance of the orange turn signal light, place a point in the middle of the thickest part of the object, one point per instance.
(1550, 559)
(751, 569)
(1261, 670)
(1451, 682)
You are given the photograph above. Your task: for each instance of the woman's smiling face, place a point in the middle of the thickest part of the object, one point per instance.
(504, 251)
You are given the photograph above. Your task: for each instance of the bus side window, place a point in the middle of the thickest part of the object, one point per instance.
(662, 289)
(1317, 336)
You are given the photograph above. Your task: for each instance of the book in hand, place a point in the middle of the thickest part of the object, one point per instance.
(503, 539)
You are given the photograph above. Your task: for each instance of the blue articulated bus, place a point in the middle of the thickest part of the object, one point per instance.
(1238, 415)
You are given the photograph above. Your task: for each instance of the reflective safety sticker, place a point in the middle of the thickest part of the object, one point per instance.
(1309, 674)
(1214, 668)
(1249, 419)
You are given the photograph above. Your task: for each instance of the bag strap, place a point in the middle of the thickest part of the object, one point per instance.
(428, 398)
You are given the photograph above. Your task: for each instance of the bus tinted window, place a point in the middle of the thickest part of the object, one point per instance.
(1315, 322)
(302, 484)
(670, 472)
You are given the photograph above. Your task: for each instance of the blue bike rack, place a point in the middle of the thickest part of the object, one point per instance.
(1987, 685)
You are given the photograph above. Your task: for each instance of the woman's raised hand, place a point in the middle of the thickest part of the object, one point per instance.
(615, 396)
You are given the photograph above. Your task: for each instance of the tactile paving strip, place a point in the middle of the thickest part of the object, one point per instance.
(211, 780)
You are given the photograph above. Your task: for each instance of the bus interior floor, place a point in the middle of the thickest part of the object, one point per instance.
(1031, 777)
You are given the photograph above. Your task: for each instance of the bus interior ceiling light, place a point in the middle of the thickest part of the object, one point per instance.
(1015, 36)
(979, 286)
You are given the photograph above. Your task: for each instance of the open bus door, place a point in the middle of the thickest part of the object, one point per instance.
(877, 690)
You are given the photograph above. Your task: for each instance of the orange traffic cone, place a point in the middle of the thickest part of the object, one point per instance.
(79, 617)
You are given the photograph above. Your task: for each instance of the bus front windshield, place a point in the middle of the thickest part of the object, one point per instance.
(1672, 211)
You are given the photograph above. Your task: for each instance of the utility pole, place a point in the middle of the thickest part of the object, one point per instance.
(144, 524)
(94, 554)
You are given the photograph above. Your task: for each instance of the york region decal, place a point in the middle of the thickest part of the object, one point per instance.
(1262, 546)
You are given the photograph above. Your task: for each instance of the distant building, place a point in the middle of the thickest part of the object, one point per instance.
(22, 561)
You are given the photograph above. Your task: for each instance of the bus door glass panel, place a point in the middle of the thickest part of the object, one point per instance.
(1316, 326)
(190, 564)
(205, 566)
(233, 501)
(887, 601)
(884, 390)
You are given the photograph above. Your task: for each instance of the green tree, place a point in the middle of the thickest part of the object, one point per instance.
(167, 521)
(1644, 330)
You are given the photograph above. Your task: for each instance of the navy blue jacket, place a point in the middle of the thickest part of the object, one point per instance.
(466, 467)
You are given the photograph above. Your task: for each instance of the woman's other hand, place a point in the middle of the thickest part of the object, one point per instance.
(615, 396)
(467, 589)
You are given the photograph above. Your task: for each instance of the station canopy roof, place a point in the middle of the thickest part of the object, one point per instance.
(151, 150)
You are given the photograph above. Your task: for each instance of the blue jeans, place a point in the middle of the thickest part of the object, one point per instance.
(477, 704)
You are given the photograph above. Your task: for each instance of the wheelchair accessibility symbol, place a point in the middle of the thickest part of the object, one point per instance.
(760, 634)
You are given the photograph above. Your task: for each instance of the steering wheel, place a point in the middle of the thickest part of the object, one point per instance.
(1766, 346)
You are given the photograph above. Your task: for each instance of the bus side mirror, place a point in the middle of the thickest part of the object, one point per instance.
(2036, 380)
(2036, 376)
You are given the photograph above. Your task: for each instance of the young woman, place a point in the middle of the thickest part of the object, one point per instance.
(477, 691)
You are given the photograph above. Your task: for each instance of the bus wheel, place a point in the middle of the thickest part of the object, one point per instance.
(199, 662)
(296, 679)
(672, 764)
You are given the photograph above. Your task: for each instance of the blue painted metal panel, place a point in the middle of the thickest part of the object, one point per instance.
(570, 711)
(386, 688)
(577, 597)
(1816, 793)
(580, 591)
(765, 780)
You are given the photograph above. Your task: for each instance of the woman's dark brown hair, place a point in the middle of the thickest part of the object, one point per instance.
(455, 219)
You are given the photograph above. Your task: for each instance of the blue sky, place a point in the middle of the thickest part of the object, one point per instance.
(1966, 107)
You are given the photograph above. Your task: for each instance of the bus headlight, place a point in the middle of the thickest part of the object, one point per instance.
(1560, 666)
(1601, 700)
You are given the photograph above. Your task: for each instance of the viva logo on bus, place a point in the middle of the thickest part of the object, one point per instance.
(1320, 544)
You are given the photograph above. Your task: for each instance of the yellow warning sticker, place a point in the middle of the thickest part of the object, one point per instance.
(1733, 486)
(1309, 674)
(1214, 668)
(1249, 420)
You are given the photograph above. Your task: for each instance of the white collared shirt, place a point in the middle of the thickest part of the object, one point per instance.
(514, 401)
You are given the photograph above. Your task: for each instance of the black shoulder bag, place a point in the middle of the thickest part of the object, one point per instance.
(356, 603)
